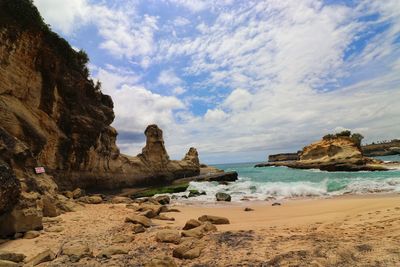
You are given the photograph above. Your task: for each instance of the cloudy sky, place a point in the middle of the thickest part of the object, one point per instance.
(240, 79)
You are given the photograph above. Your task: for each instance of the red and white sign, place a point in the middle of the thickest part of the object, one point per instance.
(39, 170)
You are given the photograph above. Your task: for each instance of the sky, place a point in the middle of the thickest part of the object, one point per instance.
(240, 80)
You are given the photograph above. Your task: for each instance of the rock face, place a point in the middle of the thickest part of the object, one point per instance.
(338, 153)
(193, 156)
(284, 157)
(54, 116)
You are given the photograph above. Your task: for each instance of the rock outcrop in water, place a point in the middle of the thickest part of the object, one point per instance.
(284, 157)
(54, 116)
(382, 149)
(336, 153)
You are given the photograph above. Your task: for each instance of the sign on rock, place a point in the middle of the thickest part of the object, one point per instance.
(39, 170)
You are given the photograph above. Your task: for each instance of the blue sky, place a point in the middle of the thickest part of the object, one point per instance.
(240, 79)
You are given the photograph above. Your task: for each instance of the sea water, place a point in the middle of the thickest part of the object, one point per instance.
(283, 183)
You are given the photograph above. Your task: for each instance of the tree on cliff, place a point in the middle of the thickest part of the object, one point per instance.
(357, 138)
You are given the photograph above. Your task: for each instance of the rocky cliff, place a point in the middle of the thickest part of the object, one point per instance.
(54, 116)
(283, 157)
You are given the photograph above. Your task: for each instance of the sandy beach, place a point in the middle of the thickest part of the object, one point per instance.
(342, 231)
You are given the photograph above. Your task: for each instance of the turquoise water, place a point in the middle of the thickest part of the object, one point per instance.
(282, 182)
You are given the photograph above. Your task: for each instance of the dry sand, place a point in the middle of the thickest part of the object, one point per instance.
(345, 231)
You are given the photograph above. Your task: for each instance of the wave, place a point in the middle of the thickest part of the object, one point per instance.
(245, 188)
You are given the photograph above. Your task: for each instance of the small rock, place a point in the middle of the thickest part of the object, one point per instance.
(77, 193)
(163, 200)
(223, 196)
(214, 219)
(11, 256)
(121, 238)
(148, 213)
(68, 194)
(119, 200)
(276, 204)
(4, 263)
(77, 251)
(146, 222)
(164, 218)
(132, 207)
(199, 231)
(31, 234)
(248, 209)
(44, 256)
(189, 249)
(52, 219)
(113, 250)
(161, 262)
(138, 228)
(168, 236)
(192, 223)
(55, 229)
(91, 199)
(195, 193)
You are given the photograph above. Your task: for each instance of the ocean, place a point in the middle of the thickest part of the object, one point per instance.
(285, 183)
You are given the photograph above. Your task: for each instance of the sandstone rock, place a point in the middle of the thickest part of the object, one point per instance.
(146, 222)
(138, 228)
(52, 220)
(199, 231)
(148, 213)
(276, 204)
(213, 219)
(91, 199)
(248, 209)
(55, 229)
(164, 218)
(68, 194)
(9, 189)
(155, 209)
(118, 200)
(122, 238)
(192, 156)
(196, 193)
(11, 256)
(163, 200)
(192, 223)
(44, 256)
(222, 196)
(4, 263)
(31, 234)
(77, 251)
(161, 262)
(168, 236)
(113, 250)
(189, 249)
(49, 206)
(26, 215)
(78, 193)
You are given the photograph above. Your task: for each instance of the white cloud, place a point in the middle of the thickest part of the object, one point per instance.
(179, 90)
(168, 77)
(181, 21)
(238, 99)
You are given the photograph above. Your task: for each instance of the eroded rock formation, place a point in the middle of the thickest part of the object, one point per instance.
(53, 115)
(339, 153)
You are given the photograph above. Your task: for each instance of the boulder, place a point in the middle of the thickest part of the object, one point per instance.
(193, 156)
(77, 251)
(168, 236)
(199, 231)
(248, 209)
(91, 199)
(164, 218)
(222, 196)
(4, 263)
(119, 200)
(49, 206)
(195, 193)
(161, 262)
(189, 249)
(163, 200)
(78, 193)
(123, 238)
(112, 250)
(43, 256)
(31, 234)
(192, 223)
(214, 219)
(146, 222)
(154, 209)
(11, 256)
(138, 228)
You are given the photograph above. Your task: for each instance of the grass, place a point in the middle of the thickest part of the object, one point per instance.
(161, 190)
